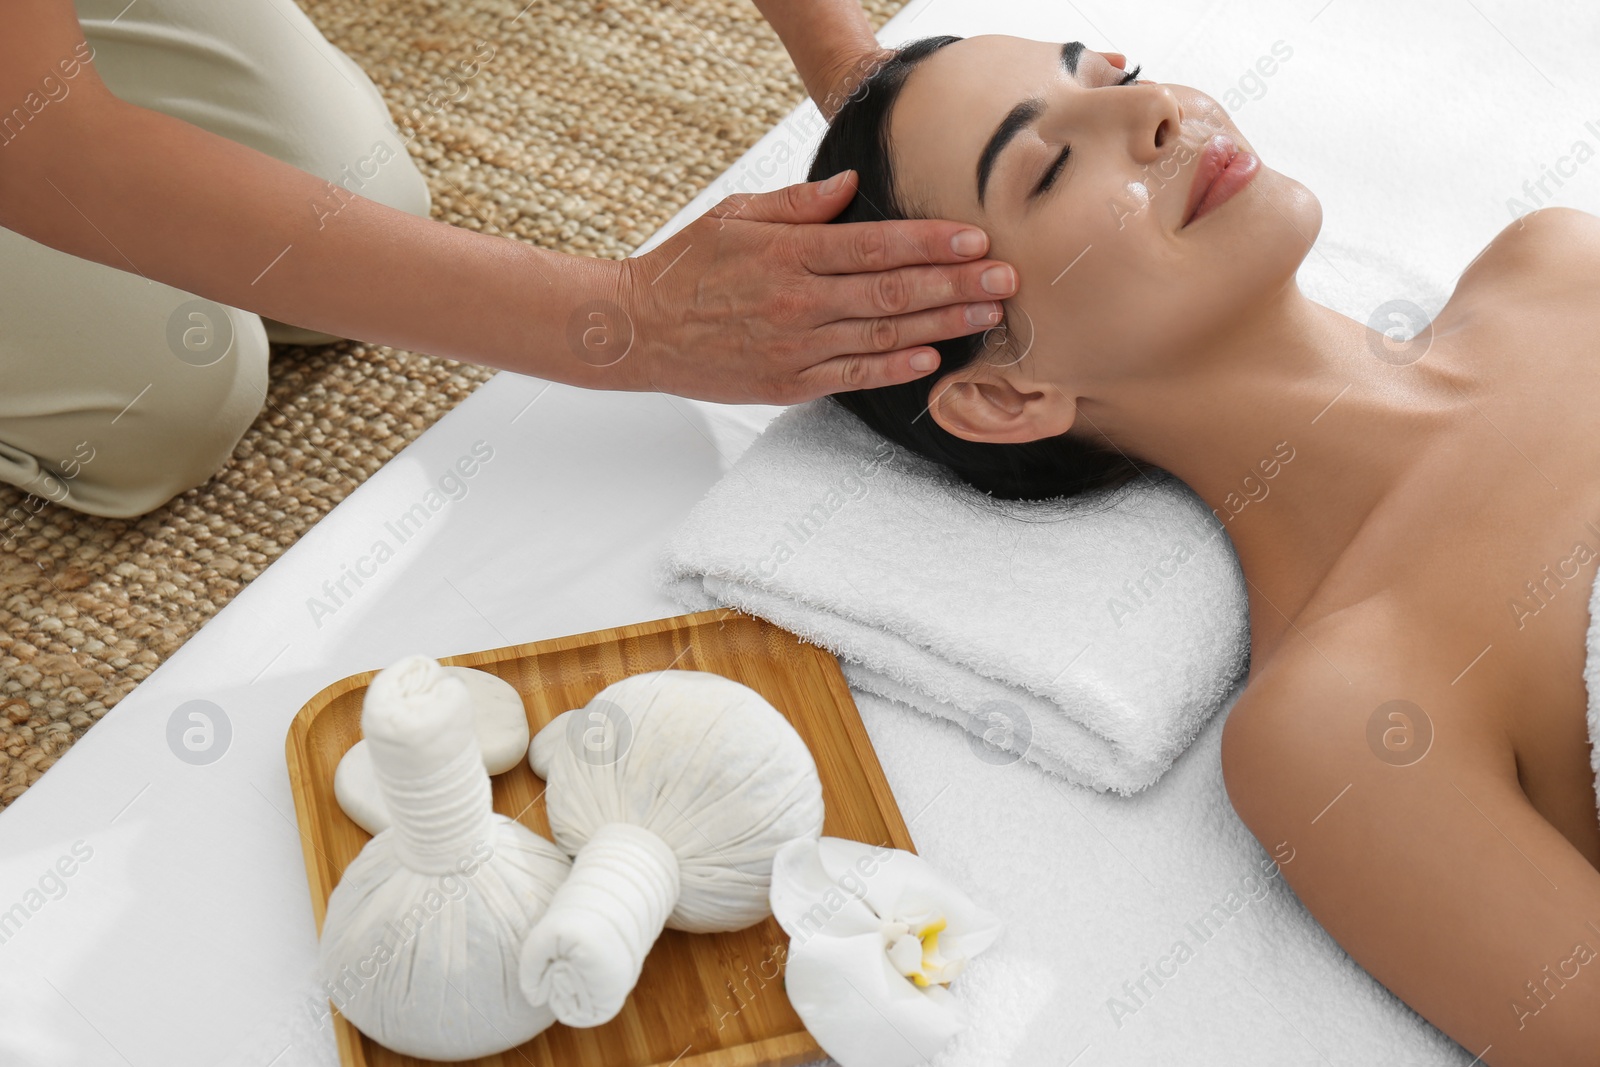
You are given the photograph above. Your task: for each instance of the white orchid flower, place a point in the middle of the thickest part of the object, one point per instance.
(875, 937)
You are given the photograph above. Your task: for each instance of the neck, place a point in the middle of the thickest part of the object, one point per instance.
(1294, 432)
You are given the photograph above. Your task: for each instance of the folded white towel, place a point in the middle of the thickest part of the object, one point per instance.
(1092, 636)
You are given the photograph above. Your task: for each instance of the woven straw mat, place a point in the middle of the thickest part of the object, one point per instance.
(594, 122)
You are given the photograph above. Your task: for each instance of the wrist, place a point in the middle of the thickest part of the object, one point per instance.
(839, 79)
(588, 331)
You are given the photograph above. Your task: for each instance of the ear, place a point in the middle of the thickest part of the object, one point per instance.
(982, 404)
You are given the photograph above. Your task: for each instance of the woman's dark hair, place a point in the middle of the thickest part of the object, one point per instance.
(858, 139)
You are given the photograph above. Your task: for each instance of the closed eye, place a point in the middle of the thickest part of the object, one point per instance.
(1049, 177)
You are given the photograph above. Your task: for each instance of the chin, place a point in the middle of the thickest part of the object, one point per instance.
(1293, 213)
(1246, 250)
(1267, 228)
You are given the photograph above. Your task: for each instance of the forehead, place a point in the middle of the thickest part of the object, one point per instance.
(948, 108)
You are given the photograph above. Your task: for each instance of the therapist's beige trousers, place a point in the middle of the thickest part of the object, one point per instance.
(118, 393)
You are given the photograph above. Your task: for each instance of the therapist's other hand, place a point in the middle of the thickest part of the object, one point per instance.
(839, 81)
(762, 301)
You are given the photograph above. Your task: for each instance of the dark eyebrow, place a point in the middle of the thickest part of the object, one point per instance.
(1019, 118)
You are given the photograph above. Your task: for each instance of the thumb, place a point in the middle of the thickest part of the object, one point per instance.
(816, 201)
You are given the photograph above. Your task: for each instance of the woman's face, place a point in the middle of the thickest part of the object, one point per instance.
(1114, 286)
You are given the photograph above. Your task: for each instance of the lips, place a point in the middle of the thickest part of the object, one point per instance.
(1214, 159)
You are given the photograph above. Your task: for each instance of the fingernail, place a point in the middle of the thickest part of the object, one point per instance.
(924, 361)
(1001, 281)
(983, 314)
(967, 243)
(832, 184)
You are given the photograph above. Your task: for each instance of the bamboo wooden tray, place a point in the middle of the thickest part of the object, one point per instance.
(703, 1000)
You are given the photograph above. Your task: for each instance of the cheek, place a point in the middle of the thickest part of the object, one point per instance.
(1095, 267)
(1105, 274)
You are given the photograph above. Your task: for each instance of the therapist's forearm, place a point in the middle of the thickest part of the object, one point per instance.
(144, 192)
(827, 40)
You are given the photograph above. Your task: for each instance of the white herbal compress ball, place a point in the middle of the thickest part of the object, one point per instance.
(422, 936)
(498, 718)
(673, 789)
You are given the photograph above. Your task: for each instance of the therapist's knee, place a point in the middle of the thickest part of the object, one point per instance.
(182, 429)
(360, 151)
(378, 168)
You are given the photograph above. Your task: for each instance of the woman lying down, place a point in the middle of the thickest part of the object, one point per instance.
(1421, 747)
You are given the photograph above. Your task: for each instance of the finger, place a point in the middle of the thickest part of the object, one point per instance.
(805, 202)
(852, 247)
(909, 289)
(1116, 59)
(843, 374)
(893, 333)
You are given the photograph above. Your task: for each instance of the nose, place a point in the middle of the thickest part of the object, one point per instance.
(1154, 121)
(1147, 115)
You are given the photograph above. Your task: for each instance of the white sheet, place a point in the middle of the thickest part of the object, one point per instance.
(180, 939)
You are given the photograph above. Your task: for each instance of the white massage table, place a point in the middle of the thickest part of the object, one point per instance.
(182, 938)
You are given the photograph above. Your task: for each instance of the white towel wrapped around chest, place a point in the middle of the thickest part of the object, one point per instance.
(1092, 635)
(1591, 680)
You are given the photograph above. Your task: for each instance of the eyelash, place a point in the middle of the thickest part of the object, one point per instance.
(1061, 160)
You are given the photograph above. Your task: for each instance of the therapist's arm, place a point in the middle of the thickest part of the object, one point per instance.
(830, 42)
(744, 308)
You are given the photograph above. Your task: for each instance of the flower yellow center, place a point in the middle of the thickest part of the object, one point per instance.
(913, 949)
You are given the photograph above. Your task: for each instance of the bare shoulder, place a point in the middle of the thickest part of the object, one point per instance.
(1550, 253)
(1392, 803)
(1349, 695)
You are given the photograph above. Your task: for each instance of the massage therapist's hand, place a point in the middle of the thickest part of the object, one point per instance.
(762, 301)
